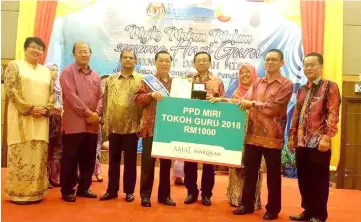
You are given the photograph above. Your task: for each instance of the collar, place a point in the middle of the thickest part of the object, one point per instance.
(78, 68)
(315, 83)
(119, 75)
(278, 79)
(210, 76)
(31, 65)
(158, 77)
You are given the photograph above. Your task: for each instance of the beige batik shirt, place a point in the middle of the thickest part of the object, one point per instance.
(27, 87)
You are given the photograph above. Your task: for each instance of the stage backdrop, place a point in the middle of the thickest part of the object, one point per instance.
(233, 32)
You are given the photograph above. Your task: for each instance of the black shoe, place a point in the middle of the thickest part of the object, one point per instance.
(241, 210)
(86, 194)
(302, 217)
(314, 219)
(178, 181)
(168, 202)
(129, 197)
(191, 199)
(146, 202)
(206, 201)
(108, 196)
(68, 198)
(270, 216)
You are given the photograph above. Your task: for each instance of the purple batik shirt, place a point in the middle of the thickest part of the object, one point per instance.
(82, 95)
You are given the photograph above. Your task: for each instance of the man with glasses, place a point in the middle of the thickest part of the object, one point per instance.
(266, 101)
(314, 122)
(215, 88)
(121, 122)
(83, 104)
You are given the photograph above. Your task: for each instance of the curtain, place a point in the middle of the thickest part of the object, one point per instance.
(45, 16)
(312, 21)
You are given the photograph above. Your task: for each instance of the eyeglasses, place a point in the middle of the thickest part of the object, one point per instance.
(38, 48)
(268, 60)
(244, 73)
(164, 61)
(202, 60)
(128, 57)
(309, 66)
(83, 52)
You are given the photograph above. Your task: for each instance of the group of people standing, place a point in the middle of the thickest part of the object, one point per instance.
(78, 110)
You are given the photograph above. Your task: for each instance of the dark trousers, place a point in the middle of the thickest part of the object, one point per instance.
(191, 175)
(252, 161)
(147, 173)
(119, 143)
(78, 148)
(313, 180)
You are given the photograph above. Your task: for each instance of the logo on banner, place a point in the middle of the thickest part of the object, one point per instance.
(221, 16)
(156, 10)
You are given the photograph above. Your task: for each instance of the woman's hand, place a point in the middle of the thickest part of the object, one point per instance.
(58, 110)
(38, 111)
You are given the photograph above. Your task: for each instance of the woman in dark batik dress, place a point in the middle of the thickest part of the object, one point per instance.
(55, 133)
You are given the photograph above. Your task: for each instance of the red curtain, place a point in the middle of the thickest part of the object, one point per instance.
(313, 23)
(44, 20)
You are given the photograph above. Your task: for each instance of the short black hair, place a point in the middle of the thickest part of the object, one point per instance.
(128, 50)
(36, 40)
(104, 76)
(280, 53)
(90, 49)
(162, 52)
(199, 53)
(318, 55)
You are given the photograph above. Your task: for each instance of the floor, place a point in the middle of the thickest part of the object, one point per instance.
(344, 205)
